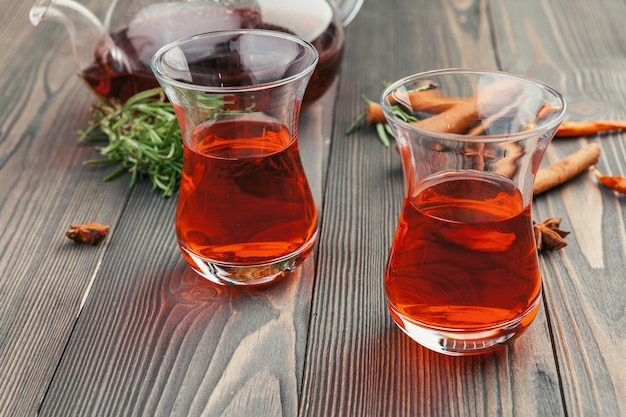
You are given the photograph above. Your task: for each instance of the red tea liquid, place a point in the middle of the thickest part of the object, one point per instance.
(146, 33)
(244, 198)
(463, 256)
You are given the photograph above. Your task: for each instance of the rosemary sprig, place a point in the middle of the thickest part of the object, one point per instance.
(143, 138)
(384, 132)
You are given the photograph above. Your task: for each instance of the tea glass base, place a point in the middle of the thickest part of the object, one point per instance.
(465, 342)
(247, 275)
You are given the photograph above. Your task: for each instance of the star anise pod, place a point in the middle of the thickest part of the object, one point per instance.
(548, 235)
(91, 233)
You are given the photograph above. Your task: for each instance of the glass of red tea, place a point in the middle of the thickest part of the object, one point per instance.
(245, 213)
(462, 275)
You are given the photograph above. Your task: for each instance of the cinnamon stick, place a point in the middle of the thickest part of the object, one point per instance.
(374, 113)
(566, 169)
(612, 182)
(460, 117)
(590, 127)
(431, 101)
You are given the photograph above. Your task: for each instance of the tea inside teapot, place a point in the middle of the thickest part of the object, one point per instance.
(154, 26)
(120, 63)
(162, 23)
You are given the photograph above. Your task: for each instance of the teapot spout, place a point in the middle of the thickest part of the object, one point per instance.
(85, 29)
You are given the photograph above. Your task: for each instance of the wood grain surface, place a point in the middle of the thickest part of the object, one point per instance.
(579, 48)
(43, 188)
(375, 371)
(372, 368)
(127, 329)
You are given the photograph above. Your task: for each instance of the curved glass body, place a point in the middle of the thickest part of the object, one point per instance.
(463, 274)
(245, 212)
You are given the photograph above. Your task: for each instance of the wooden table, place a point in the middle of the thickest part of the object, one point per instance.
(126, 329)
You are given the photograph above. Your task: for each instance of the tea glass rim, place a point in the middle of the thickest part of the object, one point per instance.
(157, 64)
(458, 137)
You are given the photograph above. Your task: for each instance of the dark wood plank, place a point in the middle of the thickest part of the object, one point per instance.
(579, 47)
(43, 188)
(154, 339)
(359, 363)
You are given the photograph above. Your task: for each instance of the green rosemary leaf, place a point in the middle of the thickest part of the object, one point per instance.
(141, 137)
(355, 123)
(382, 134)
(116, 174)
(101, 161)
(402, 114)
(383, 130)
(388, 130)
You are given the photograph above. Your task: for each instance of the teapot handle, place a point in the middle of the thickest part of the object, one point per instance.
(348, 9)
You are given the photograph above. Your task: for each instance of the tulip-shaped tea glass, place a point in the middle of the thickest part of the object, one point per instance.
(462, 276)
(245, 211)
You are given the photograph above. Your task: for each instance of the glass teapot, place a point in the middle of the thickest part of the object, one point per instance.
(114, 53)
